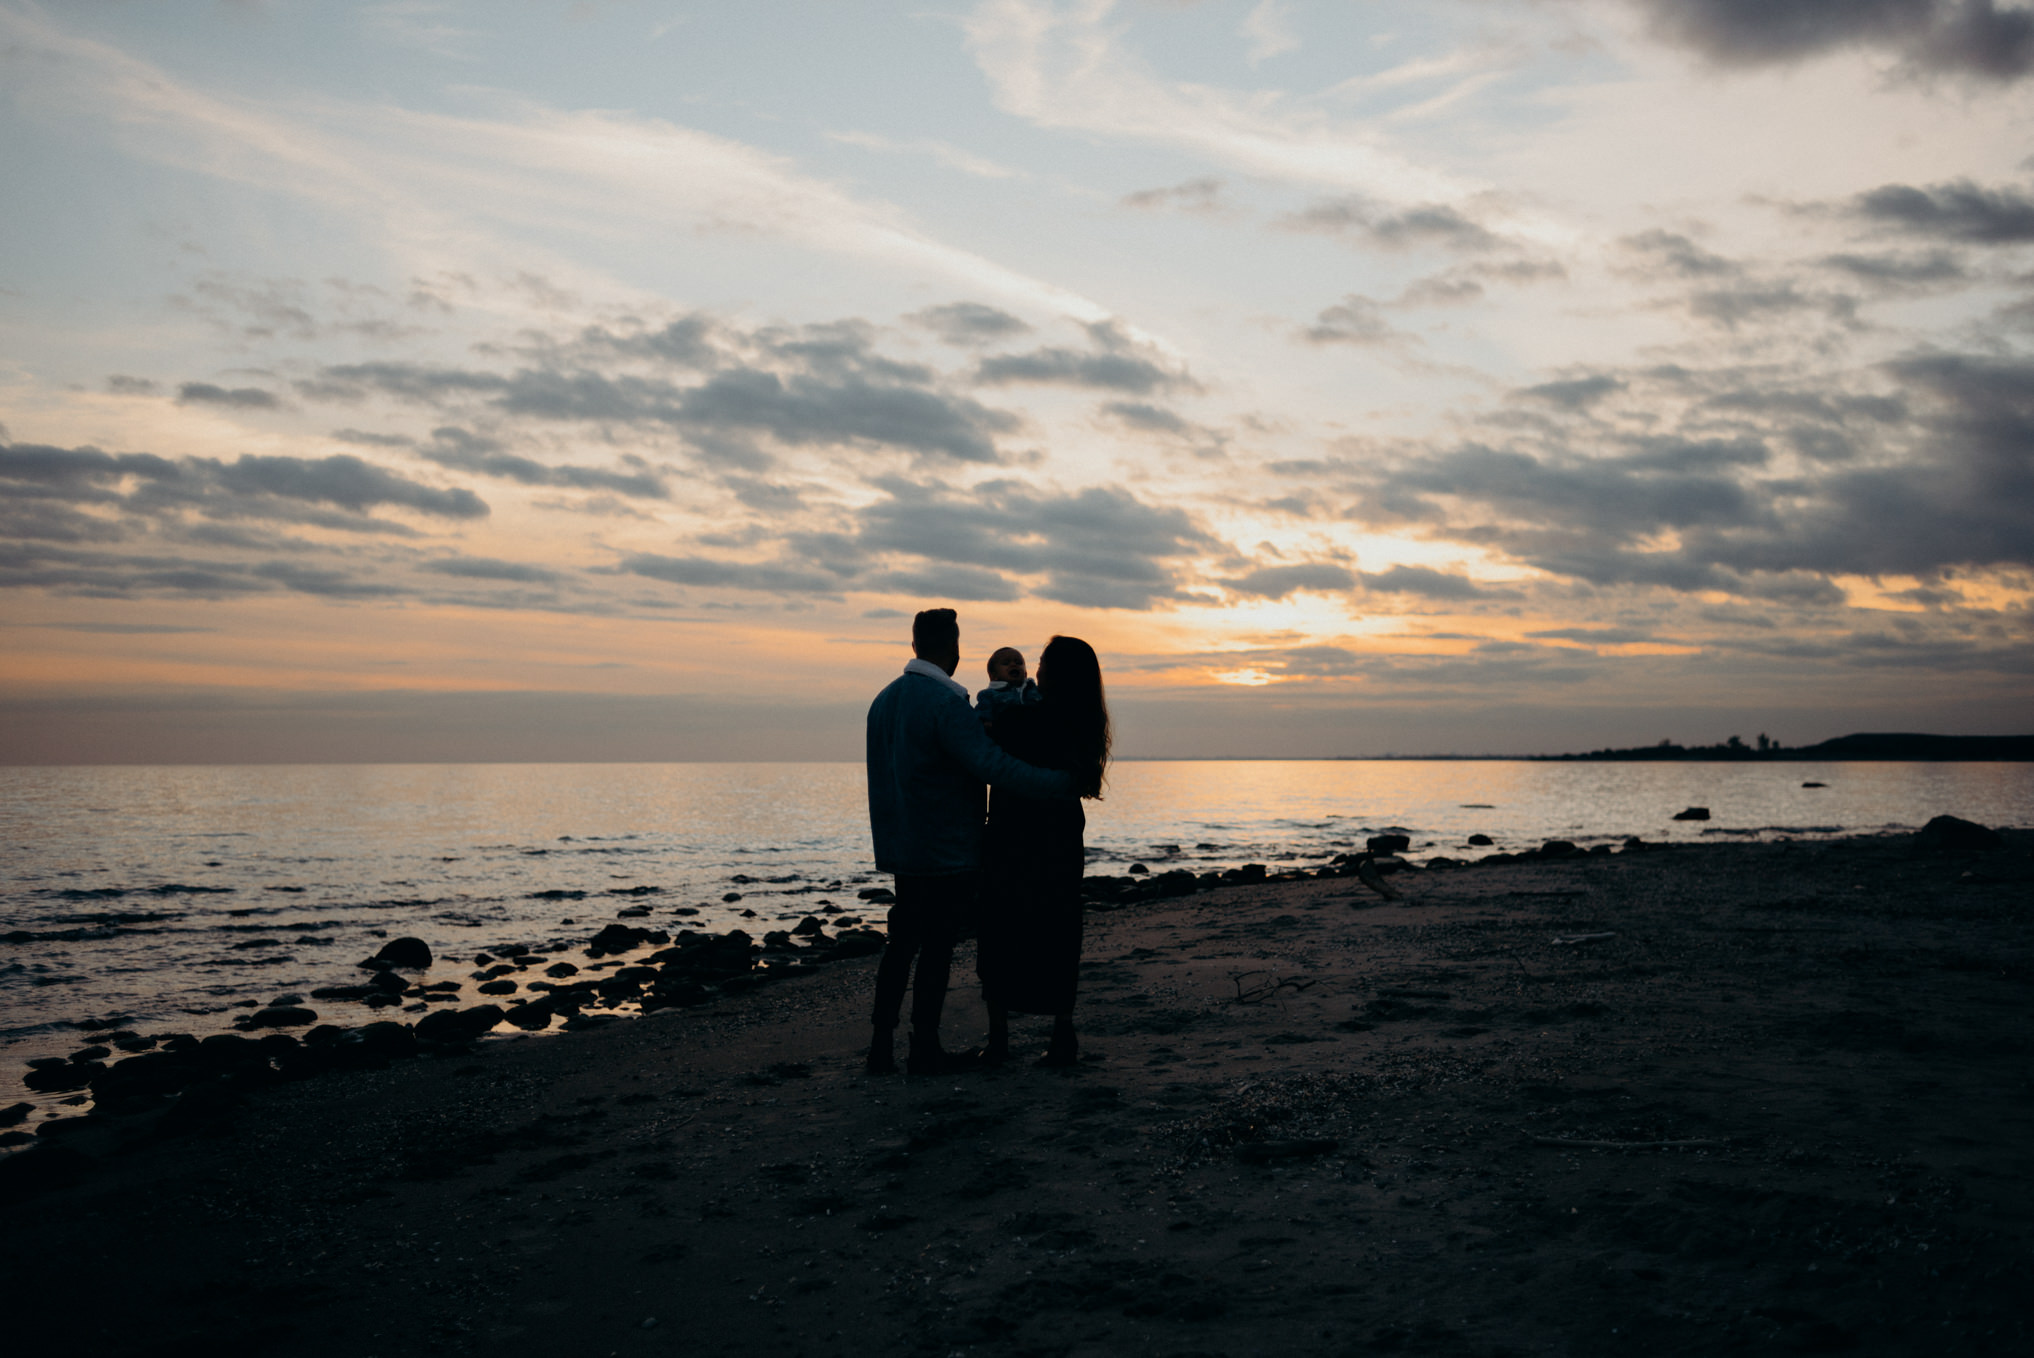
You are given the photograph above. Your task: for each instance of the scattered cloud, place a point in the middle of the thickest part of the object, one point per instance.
(1112, 362)
(966, 324)
(1961, 211)
(1423, 226)
(1202, 196)
(1276, 582)
(239, 398)
(1976, 38)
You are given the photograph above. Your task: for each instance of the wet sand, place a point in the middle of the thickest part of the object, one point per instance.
(1779, 1098)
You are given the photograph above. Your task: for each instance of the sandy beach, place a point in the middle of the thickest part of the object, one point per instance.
(1731, 1098)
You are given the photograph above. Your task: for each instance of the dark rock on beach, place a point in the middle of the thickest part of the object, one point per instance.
(1951, 834)
(411, 954)
(1693, 813)
(458, 1025)
(1388, 843)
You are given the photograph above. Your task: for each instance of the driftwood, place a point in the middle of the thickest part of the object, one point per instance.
(1259, 990)
(1617, 1145)
(1367, 873)
(1569, 940)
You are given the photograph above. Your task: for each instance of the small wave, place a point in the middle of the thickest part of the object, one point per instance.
(97, 893)
(121, 917)
(556, 894)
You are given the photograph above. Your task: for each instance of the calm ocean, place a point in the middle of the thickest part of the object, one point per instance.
(172, 894)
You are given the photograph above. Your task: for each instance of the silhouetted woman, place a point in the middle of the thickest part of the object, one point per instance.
(1030, 948)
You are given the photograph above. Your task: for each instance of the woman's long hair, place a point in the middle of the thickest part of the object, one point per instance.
(1075, 696)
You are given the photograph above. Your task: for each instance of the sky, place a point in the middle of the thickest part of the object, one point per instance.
(613, 379)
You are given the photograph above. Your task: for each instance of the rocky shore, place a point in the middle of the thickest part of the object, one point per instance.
(1719, 1098)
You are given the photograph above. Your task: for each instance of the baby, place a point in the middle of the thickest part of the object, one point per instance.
(1009, 685)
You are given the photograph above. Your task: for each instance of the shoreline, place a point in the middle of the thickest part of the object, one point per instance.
(1808, 1063)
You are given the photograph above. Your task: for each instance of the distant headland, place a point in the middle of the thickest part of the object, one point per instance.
(1880, 745)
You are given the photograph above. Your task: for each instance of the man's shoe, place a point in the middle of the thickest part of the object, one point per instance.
(881, 1061)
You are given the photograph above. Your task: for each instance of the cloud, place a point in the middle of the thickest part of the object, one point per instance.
(145, 486)
(969, 323)
(1268, 30)
(1426, 226)
(1597, 636)
(1672, 253)
(345, 481)
(1575, 393)
(1200, 196)
(1276, 582)
(1960, 37)
(1113, 363)
(1066, 68)
(1423, 581)
(1354, 320)
(464, 451)
(1959, 211)
(240, 398)
(121, 385)
(815, 386)
(1096, 548)
(489, 568)
(1936, 268)
(706, 572)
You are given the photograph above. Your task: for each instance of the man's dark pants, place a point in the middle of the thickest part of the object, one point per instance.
(924, 923)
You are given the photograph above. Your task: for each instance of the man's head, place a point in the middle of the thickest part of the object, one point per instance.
(1007, 666)
(935, 638)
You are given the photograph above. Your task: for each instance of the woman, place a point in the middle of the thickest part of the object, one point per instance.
(1029, 955)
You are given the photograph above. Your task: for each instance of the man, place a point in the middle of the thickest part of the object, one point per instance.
(928, 761)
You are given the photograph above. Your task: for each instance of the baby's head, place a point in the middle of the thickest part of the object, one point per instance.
(1007, 666)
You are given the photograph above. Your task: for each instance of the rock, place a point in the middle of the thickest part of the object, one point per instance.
(497, 988)
(808, 926)
(15, 1113)
(386, 1038)
(135, 1044)
(748, 914)
(382, 1001)
(730, 898)
(481, 959)
(57, 1079)
(1558, 848)
(615, 938)
(458, 1025)
(1693, 813)
(876, 895)
(1441, 861)
(632, 912)
(282, 1016)
(1814, 785)
(561, 969)
(1388, 843)
(324, 1035)
(228, 1050)
(91, 1053)
(411, 954)
(47, 1063)
(1481, 839)
(1249, 872)
(281, 1000)
(1949, 833)
(388, 983)
(777, 938)
(531, 1018)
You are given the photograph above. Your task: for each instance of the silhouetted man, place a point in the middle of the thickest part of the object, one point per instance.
(928, 761)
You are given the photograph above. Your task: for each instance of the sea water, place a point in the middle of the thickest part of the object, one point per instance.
(172, 896)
